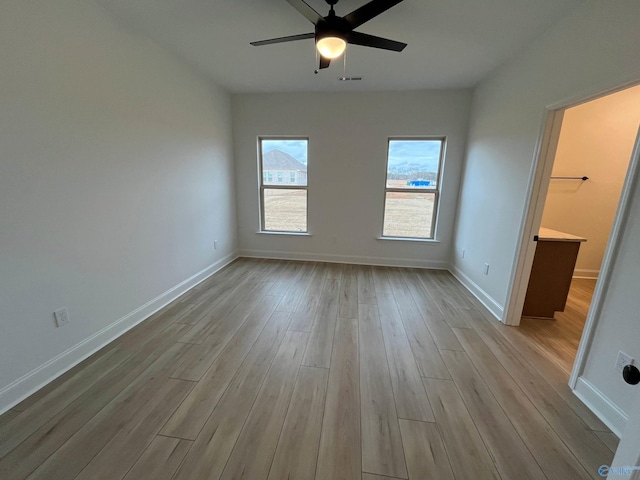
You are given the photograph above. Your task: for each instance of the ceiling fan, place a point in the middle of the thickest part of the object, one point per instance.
(333, 33)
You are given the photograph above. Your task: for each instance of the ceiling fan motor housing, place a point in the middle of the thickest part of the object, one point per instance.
(332, 33)
(332, 26)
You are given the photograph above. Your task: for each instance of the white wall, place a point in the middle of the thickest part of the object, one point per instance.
(596, 140)
(593, 49)
(618, 327)
(115, 178)
(348, 136)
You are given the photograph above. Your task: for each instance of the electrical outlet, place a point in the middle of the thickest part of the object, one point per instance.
(463, 252)
(215, 244)
(622, 361)
(486, 269)
(61, 316)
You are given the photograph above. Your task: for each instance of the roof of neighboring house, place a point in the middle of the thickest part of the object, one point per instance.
(278, 160)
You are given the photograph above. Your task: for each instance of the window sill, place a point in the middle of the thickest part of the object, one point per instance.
(294, 234)
(430, 241)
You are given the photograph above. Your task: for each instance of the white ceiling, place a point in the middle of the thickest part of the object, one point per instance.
(452, 43)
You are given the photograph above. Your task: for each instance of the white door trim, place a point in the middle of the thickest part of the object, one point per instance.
(628, 451)
(610, 253)
(534, 207)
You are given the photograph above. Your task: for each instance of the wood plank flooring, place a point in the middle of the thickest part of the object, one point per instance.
(558, 339)
(274, 370)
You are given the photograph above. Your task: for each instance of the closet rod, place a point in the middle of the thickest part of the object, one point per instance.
(570, 178)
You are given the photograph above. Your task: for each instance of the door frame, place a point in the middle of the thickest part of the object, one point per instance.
(607, 270)
(537, 190)
(627, 453)
(534, 207)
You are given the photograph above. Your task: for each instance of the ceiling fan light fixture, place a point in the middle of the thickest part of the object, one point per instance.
(332, 33)
(331, 46)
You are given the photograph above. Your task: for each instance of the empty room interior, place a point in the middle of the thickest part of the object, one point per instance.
(320, 239)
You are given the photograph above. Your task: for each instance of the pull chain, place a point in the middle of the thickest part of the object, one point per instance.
(344, 67)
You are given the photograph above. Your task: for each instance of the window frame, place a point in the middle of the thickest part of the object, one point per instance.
(281, 186)
(435, 191)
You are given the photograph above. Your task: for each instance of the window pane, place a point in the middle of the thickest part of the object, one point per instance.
(408, 214)
(285, 210)
(413, 163)
(284, 162)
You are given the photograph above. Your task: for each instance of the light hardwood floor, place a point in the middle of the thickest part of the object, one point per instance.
(275, 370)
(559, 338)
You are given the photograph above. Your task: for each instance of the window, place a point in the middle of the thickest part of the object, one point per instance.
(283, 206)
(412, 187)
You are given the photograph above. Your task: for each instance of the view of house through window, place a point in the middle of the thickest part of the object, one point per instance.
(283, 187)
(412, 187)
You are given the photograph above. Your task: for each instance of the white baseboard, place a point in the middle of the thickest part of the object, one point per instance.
(487, 300)
(359, 260)
(607, 411)
(26, 385)
(585, 273)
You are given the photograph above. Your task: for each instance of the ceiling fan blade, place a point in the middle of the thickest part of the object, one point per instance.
(369, 11)
(306, 10)
(291, 38)
(357, 38)
(324, 62)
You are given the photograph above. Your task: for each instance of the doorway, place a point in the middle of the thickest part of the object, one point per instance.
(593, 139)
(589, 169)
